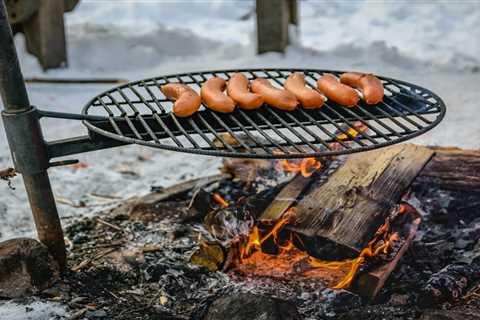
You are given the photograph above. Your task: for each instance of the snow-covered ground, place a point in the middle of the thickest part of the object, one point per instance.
(436, 45)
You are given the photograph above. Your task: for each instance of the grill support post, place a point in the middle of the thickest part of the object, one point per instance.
(273, 19)
(28, 148)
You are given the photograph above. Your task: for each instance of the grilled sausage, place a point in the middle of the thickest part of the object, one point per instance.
(309, 98)
(187, 101)
(371, 86)
(278, 98)
(336, 91)
(237, 89)
(213, 96)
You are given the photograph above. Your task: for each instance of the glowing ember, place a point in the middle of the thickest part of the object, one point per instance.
(218, 198)
(352, 131)
(291, 259)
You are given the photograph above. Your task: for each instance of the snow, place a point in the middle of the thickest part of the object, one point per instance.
(36, 310)
(434, 45)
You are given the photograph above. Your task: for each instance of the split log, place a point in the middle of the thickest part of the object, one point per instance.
(369, 284)
(452, 175)
(286, 198)
(451, 169)
(356, 199)
(137, 206)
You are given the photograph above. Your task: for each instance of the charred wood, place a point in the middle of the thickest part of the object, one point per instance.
(449, 284)
(355, 201)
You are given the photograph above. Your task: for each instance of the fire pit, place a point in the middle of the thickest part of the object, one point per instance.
(312, 201)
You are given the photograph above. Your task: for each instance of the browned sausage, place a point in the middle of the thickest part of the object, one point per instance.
(278, 98)
(213, 96)
(237, 89)
(336, 91)
(309, 98)
(187, 101)
(371, 86)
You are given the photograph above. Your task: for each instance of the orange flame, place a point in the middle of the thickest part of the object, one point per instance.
(306, 166)
(251, 252)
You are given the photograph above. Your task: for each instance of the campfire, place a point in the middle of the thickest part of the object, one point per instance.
(292, 259)
(262, 246)
(252, 236)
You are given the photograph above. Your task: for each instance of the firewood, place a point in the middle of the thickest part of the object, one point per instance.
(452, 173)
(354, 202)
(137, 206)
(452, 169)
(368, 284)
(286, 198)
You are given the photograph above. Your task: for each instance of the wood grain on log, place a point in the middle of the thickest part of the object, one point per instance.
(286, 198)
(452, 169)
(453, 178)
(354, 202)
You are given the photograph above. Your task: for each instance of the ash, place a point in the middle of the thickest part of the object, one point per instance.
(127, 264)
(142, 269)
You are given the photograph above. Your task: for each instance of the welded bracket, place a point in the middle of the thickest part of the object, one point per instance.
(25, 138)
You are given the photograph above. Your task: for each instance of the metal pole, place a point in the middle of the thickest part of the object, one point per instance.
(27, 145)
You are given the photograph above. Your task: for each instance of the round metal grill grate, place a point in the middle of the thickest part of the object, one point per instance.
(139, 113)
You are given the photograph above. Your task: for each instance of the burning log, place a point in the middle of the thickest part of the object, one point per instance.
(449, 284)
(355, 201)
(370, 187)
(287, 196)
(369, 284)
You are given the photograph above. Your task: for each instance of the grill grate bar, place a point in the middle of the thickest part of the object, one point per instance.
(125, 116)
(403, 106)
(245, 130)
(350, 124)
(217, 136)
(144, 102)
(279, 133)
(365, 111)
(200, 132)
(263, 133)
(403, 115)
(285, 124)
(167, 130)
(295, 132)
(111, 117)
(310, 132)
(325, 116)
(408, 109)
(220, 121)
(138, 115)
(327, 132)
(313, 120)
(154, 98)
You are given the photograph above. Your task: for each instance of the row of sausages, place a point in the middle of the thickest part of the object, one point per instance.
(252, 95)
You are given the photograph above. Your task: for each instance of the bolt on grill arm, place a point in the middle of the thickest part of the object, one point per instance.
(29, 150)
